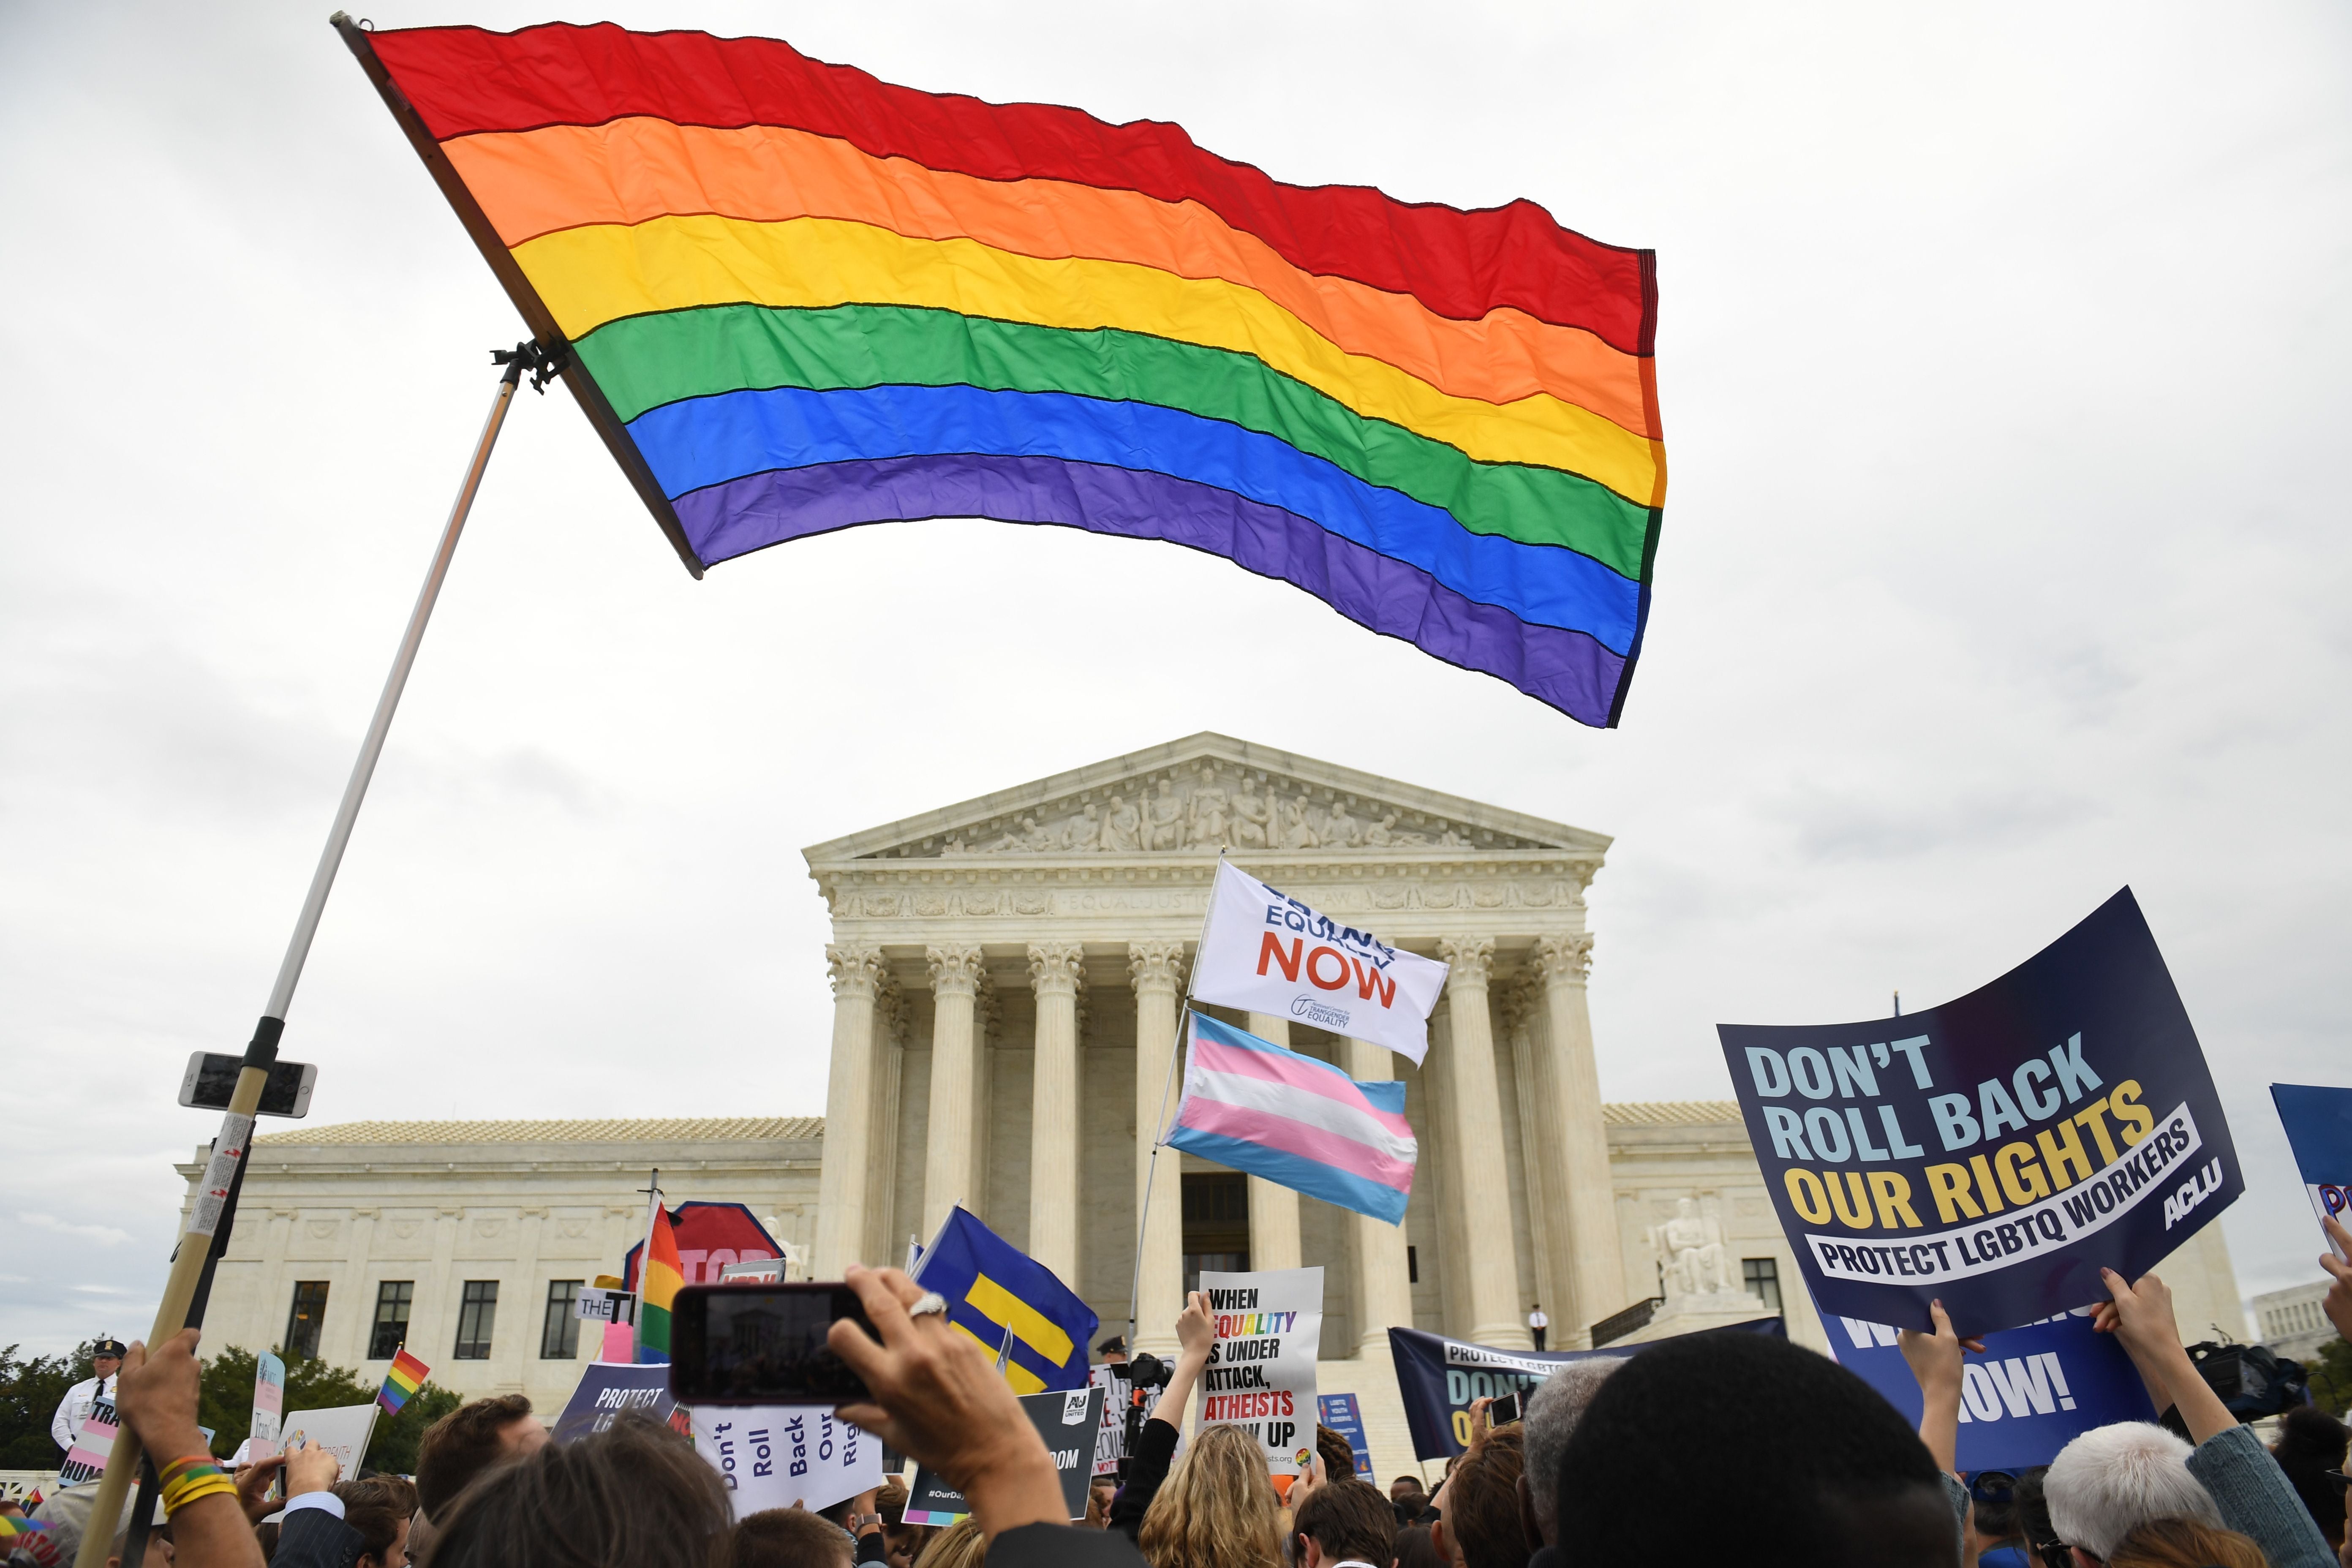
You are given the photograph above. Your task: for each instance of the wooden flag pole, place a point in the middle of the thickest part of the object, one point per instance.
(208, 1216)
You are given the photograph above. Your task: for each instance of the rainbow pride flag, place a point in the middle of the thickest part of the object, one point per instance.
(407, 1376)
(801, 300)
(664, 1275)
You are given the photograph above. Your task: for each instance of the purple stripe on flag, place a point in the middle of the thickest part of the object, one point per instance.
(1292, 1071)
(1569, 670)
(1254, 1126)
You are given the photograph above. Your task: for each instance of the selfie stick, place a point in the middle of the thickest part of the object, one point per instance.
(208, 1220)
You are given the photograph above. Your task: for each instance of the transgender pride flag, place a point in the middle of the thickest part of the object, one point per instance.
(1299, 1123)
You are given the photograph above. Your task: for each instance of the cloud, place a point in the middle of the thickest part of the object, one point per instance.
(104, 1235)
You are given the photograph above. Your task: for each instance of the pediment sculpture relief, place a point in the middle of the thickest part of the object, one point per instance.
(1205, 806)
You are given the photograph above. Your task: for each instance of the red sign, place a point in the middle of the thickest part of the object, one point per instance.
(709, 1237)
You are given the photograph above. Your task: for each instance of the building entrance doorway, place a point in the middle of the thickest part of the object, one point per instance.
(1216, 1225)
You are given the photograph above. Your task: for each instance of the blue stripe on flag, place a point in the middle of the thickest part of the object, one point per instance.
(1340, 1188)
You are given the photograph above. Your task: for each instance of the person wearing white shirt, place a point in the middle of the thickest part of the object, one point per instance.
(1538, 1324)
(106, 1360)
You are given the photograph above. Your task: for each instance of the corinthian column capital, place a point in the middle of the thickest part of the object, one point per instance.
(955, 971)
(1472, 958)
(1054, 967)
(1156, 966)
(857, 970)
(1566, 957)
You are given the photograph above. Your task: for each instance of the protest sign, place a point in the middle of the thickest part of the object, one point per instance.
(1110, 1445)
(2318, 1123)
(269, 1404)
(709, 1237)
(1261, 1373)
(1998, 1151)
(787, 1455)
(1340, 1412)
(1267, 952)
(343, 1430)
(2025, 1398)
(1070, 1421)
(595, 1304)
(1438, 1378)
(606, 1390)
(86, 1460)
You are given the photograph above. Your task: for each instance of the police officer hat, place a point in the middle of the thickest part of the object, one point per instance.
(103, 1346)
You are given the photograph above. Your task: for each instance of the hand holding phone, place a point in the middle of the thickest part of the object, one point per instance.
(763, 1344)
(1505, 1409)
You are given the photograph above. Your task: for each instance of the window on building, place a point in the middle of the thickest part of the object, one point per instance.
(559, 1337)
(477, 1311)
(1412, 1266)
(1216, 1225)
(304, 1321)
(392, 1299)
(1762, 1278)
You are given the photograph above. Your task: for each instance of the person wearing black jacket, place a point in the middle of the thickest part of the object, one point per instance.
(1155, 1446)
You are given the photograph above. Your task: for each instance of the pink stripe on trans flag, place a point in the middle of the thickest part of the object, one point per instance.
(1292, 1071)
(1264, 1127)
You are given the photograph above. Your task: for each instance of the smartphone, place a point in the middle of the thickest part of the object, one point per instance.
(1503, 1411)
(211, 1079)
(762, 1344)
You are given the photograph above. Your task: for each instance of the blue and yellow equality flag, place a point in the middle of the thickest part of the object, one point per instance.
(991, 1285)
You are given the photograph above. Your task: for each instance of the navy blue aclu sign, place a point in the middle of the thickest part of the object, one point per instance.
(1995, 1151)
(1438, 1378)
(2022, 1400)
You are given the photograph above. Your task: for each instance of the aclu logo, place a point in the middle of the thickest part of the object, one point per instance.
(1322, 1015)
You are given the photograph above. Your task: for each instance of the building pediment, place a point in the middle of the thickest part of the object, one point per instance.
(1197, 796)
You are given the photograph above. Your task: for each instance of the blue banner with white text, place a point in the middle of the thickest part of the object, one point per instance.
(1998, 1151)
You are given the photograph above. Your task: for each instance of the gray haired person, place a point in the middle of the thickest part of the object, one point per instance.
(1553, 1410)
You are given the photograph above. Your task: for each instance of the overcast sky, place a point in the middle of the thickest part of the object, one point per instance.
(2002, 357)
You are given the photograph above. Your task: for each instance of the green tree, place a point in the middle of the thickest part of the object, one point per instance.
(30, 1387)
(225, 1403)
(2331, 1377)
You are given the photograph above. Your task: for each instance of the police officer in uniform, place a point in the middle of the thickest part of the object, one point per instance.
(106, 1360)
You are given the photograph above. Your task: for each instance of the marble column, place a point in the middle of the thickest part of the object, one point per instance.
(1383, 1286)
(1272, 1208)
(1589, 1214)
(1474, 1104)
(949, 1177)
(844, 1189)
(1157, 970)
(1524, 1029)
(1054, 1109)
(879, 1244)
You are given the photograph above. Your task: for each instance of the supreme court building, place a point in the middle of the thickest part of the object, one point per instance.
(1007, 975)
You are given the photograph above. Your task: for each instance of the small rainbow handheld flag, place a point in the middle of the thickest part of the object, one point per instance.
(662, 1276)
(407, 1376)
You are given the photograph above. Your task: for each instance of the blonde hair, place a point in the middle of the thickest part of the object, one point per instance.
(1217, 1509)
(960, 1545)
(2185, 1543)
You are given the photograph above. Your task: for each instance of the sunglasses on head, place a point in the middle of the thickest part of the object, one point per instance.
(2055, 1553)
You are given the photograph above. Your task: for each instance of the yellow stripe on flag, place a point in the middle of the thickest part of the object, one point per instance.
(1023, 1380)
(1029, 1325)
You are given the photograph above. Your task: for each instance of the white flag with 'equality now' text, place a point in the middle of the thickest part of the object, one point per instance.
(1269, 952)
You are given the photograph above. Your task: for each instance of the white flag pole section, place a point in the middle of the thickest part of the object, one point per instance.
(652, 1189)
(261, 1055)
(1159, 1123)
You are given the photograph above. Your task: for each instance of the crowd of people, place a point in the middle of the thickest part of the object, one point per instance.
(1727, 1447)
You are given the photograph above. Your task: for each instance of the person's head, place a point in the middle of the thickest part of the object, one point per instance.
(1338, 1458)
(960, 1545)
(1343, 1520)
(106, 1355)
(2185, 1543)
(2110, 1478)
(1216, 1509)
(1415, 1549)
(1403, 1485)
(2311, 1443)
(379, 1509)
(11, 1508)
(901, 1542)
(1479, 1524)
(1553, 1410)
(790, 1537)
(468, 1441)
(420, 1536)
(635, 1495)
(1992, 1506)
(2033, 1524)
(1113, 1351)
(1101, 1493)
(1409, 1508)
(1744, 1445)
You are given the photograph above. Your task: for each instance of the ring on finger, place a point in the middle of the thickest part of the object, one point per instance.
(930, 1303)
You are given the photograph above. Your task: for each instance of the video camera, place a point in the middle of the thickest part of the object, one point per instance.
(2252, 1381)
(1141, 1371)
